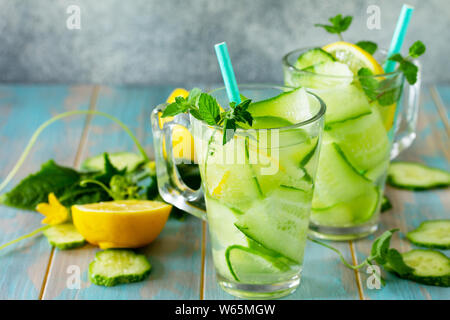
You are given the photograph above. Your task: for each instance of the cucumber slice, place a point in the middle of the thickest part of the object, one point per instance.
(378, 173)
(120, 160)
(431, 234)
(64, 236)
(338, 74)
(223, 232)
(347, 102)
(415, 176)
(338, 182)
(112, 267)
(356, 211)
(251, 266)
(268, 122)
(279, 222)
(430, 267)
(312, 57)
(294, 106)
(364, 140)
(231, 181)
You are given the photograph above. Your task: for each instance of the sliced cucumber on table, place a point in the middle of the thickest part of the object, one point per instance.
(431, 234)
(117, 266)
(120, 160)
(64, 236)
(416, 176)
(429, 267)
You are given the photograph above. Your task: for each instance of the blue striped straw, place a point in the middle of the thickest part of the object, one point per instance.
(227, 72)
(399, 36)
(395, 47)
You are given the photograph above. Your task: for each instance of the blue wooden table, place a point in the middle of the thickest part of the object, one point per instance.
(182, 264)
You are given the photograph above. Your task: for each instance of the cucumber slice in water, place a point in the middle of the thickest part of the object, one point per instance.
(293, 106)
(279, 222)
(312, 57)
(231, 181)
(120, 160)
(415, 176)
(347, 102)
(364, 140)
(337, 181)
(251, 266)
(223, 232)
(430, 267)
(356, 211)
(64, 236)
(431, 234)
(112, 267)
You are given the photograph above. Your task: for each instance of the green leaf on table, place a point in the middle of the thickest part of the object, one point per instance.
(369, 46)
(35, 188)
(380, 247)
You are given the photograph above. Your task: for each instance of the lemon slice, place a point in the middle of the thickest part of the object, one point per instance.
(353, 56)
(121, 224)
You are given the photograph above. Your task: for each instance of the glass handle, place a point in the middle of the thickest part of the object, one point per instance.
(406, 123)
(170, 184)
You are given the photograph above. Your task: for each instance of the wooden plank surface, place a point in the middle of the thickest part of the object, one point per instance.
(410, 208)
(23, 266)
(176, 254)
(179, 269)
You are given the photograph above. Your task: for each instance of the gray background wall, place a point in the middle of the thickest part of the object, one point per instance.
(171, 41)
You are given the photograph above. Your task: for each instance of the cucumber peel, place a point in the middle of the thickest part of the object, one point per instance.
(431, 234)
(64, 236)
(416, 176)
(112, 267)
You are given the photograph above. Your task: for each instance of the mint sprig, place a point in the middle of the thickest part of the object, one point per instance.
(338, 25)
(408, 68)
(381, 253)
(204, 107)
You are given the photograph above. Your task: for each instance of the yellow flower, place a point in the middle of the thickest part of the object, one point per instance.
(54, 211)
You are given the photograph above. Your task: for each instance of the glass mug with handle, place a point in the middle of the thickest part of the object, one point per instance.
(367, 123)
(256, 189)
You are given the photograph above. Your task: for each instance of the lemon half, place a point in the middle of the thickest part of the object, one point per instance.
(121, 224)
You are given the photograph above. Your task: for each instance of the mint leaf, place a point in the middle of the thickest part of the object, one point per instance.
(196, 114)
(193, 95)
(172, 110)
(417, 49)
(369, 46)
(209, 109)
(410, 71)
(229, 127)
(396, 57)
(368, 83)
